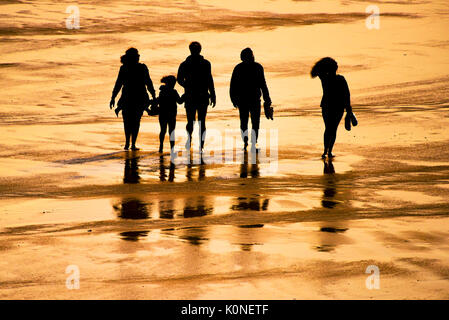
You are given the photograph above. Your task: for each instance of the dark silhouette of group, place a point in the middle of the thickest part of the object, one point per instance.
(247, 87)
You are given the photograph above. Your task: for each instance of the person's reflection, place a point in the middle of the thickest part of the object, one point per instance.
(132, 208)
(248, 236)
(195, 236)
(131, 174)
(133, 235)
(167, 209)
(191, 167)
(330, 190)
(254, 202)
(163, 170)
(197, 207)
(244, 167)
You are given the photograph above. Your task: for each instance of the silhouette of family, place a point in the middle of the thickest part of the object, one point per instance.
(247, 87)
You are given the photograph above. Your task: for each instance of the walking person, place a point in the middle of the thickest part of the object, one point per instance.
(134, 81)
(336, 99)
(247, 86)
(195, 75)
(168, 100)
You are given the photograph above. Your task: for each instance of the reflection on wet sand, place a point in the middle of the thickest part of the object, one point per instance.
(132, 208)
(191, 168)
(330, 189)
(248, 236)
(197, 206)
(133, 235)
(245, 168)
(254, 201)
(163, 170)
(328, 237)
(131, 174)
(167, 209)
(195, 236)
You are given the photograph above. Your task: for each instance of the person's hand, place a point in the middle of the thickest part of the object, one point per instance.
(213, 101)
(112, 103)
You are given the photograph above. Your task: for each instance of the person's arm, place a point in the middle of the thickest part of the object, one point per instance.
(211, 86)
(149, 83)
(179, 99)
(264, 88)
(233, 88)
(118, 85)
(180, 77)
(346, 95)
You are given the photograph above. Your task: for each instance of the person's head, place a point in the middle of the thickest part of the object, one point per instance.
(195, 48)
(247, 55)
(131, 56)
(169, 81)
(324, 67)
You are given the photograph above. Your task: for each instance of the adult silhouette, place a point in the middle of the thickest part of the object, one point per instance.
(195, 75)
(247, 86)
(336, 99)
(134, 80)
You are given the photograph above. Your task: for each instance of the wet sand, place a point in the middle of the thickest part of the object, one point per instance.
(282, 226)
(149, 230)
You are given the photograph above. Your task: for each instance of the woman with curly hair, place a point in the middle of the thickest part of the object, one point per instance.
(335, 100)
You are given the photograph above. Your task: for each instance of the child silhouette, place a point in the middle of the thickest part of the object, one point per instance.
(167, 100)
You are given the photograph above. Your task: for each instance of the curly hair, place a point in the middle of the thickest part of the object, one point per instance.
(324, 65)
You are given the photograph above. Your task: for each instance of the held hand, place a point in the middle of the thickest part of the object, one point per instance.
(112, 103)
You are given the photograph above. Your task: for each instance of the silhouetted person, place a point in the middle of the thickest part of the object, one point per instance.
(124, 59)
(195, 75)
(247, 86)
(134, 80)
(335, 100)
(168, 109)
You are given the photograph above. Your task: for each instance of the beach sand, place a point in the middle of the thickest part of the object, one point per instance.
(282, 225)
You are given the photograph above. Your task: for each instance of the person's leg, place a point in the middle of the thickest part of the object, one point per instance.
(244, 115)
(135, 130)
(191, 113)
(171, 130)
(255, 122)
(202, 112)
(336, 118)
(127, 129)
(327, 125)
(163, 125)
